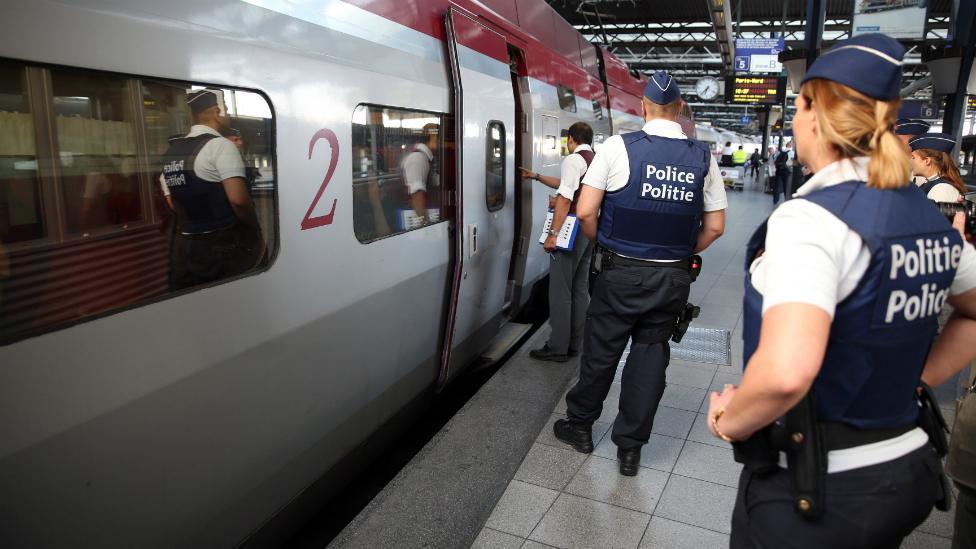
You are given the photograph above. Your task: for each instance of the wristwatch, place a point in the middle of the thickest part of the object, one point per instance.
(551, 232)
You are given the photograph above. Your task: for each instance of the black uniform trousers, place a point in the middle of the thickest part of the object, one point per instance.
(642, 302)
(870, 507)
(201, 258)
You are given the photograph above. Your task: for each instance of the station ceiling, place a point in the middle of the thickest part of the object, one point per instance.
(679, 36)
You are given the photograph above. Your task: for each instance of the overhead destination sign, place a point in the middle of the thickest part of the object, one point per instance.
(755, 90)
(758, 55)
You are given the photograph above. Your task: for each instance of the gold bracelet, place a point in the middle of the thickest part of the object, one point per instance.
(720, 434)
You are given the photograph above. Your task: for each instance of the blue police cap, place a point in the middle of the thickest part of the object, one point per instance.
(201, 100)
(661, 88)
(911, 126)
(936, 141)
(868, 63)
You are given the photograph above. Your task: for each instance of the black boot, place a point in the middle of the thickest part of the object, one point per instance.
(546, 353)
(629, 460)
(577, 435)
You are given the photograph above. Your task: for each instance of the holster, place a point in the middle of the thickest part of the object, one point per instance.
(931, 421)
(807, 458)
(683, 321)
(798, 435)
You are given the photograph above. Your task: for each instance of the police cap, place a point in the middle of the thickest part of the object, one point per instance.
(936, 141)
(201, 100)
(661, 88)
(868, 63)
(911, 126)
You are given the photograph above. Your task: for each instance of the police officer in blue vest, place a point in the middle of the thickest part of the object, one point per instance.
(217, 231)
(843, 292)
(651, 199)
(907, 128)
(932, 161)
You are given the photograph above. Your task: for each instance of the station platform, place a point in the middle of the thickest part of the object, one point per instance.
(496, 477)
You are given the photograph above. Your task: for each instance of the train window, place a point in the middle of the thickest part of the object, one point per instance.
(129, 193)
(396, 170)
(21, 209)
(567, 99)
(597, 110)
(495, 166)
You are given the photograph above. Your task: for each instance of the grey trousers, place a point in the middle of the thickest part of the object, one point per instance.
(568, 295)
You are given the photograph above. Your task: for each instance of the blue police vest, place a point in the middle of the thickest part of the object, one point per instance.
(201, 206)
(881, 333)
(929, 185)
(658, 213)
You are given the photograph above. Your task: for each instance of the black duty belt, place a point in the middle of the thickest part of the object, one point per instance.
(838, 436)
(621, 261)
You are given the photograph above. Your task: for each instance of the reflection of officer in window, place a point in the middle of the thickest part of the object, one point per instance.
(235, 136)
(416, 168)
(217, 230)
(651, 198)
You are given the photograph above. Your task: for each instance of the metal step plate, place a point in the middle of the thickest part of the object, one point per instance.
(704, 345)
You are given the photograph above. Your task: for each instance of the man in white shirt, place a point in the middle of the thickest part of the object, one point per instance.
(416, 171)
(568, 270)
(651, 199)
(218, 234)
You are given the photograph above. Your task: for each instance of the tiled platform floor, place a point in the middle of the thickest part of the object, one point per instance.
(684, 493)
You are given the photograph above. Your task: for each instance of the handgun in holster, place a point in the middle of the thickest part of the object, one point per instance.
(931, 421)
(798, 435)
(684, 319)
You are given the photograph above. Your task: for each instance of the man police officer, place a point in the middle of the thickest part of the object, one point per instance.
(218, 234)
(651, 199)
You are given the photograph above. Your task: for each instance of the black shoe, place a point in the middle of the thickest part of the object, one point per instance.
(629, 460)
(577, 435)
(546, 353)
(572, 353)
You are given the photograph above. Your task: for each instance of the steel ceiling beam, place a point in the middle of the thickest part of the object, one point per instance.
(721, 16)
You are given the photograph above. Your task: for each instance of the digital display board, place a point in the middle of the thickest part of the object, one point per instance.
(755, 90)
(901, 19)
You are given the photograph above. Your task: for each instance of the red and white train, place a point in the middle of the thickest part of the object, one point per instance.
(133, 416)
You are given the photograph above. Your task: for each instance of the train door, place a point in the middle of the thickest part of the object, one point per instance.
(484, 209)
(523, 223)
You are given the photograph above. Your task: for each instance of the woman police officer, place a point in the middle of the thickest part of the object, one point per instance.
(932, 159)
(842, 296)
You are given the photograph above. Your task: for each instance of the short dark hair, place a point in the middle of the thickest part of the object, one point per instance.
(582, 133)
(740, 146)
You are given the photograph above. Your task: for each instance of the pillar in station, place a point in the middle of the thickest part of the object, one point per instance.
(953, 70)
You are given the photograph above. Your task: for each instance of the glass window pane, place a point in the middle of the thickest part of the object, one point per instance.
(95, 128)
(495, 166)
(567, 99)
(397, 166)
(21, 211)
(119, 233)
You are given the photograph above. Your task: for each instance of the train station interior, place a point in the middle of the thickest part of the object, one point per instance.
(364, 379)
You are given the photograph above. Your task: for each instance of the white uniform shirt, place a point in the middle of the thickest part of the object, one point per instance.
(218, 160)
(416, 166)
(570, 172)
(812, 257)
(610, 169)
(942, 192)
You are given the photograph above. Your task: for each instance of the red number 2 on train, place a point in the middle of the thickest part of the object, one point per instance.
(310, 222)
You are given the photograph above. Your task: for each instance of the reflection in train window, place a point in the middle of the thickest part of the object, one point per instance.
(495, 166)
(397, 170)
(89, 221)
(567, 99)
(597, 110)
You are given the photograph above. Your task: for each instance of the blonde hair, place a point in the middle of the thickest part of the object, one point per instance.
(947, 168)
(853, 124)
